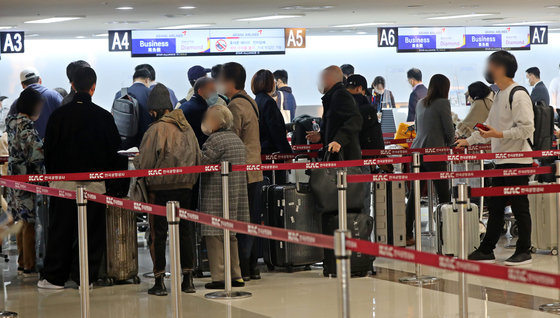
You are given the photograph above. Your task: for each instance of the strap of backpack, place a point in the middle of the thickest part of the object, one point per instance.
(182, 101)
(511, 94)
(250, 102)
(281, 96)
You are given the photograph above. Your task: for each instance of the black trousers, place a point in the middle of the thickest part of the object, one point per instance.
(519, 207)
(442, 190)
(62, 256)
(158, 231)
(248, 247)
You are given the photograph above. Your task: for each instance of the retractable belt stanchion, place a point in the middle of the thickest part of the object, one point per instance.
(461, 199)
(227, 293)
(174, 258)
(81, 201)
(430, 208)
(417, 279)
(481, 210)
(341, 254)
(555, 307)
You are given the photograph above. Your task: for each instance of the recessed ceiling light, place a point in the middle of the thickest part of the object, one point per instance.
(307, 8)
(31, 35)
(187, 26)
(6, 27)
(102, 34)
(553, 7)
(124, 8)
(54, 20)
(80, 37)
(272, 17)
(460, 16)
(361, 24)
(523, 23)
(187, 7)
(361, 32)
(126, 22)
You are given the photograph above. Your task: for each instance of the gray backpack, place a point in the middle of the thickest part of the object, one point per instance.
(126, 113)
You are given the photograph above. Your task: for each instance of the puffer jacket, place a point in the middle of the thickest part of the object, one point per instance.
(169, 142)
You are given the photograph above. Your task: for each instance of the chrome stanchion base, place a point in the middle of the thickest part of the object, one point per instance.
(8, 314)
(222, 294)
(550, 308)
(419, 280)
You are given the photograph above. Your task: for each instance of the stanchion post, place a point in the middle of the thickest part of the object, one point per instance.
(342, 256)
(81, 202)
(174, 258)
(342, 186)
(482, 186)
(462, 201)
(430, 208)
(555, 307)
(227, 293)
(417, 279)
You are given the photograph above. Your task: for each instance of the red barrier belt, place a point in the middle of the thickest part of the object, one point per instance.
(398, 141)
(287, 156)
(316, 240)
(394, 152)
(515, 190)
(307, 147)
(322, 164)
(493, 156)
(358, 178)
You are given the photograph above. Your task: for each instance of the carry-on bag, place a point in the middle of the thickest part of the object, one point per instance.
(360, 226)
(122, 246)
(41, 230)
(390, 213)
(543, 208)
(287, 208)
(447, 215)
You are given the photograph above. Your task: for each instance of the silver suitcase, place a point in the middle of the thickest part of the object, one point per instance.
(390, 213)
(544, 209)
(122, 246)
(448, 229)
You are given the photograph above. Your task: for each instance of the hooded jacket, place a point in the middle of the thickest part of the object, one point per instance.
(169, 142)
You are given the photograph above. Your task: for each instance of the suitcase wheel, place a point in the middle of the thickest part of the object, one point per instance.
(554, 251)
(136, 280)
(109, 281)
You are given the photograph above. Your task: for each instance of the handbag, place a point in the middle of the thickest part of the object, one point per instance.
(325, 191)
(139, 191)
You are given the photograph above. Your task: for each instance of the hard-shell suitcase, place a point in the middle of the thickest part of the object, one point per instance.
(360, 226)
(41, 230)
(543, 208)
(390, 213)
(201, 266)
(287, 208)
(448, 229)
(122, 246)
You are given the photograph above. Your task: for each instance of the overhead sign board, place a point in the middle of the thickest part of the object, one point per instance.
(12, 42)
(295, 38)
(119, 41)
(387, 37)
(539, 34)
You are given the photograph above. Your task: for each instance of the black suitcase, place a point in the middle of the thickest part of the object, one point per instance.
(301, 125)
(360, 226)
(287, 208)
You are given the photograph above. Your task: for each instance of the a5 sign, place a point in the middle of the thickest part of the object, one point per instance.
(119, 41)
(12, 42)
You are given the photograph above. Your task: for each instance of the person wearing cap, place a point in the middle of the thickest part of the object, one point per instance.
(193, 74)
(80, 137)
(152, 81)
(4, 110)
(30, 77)
(169, 142)
(371, 136)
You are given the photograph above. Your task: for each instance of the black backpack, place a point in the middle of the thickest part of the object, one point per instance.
(544, 122)
(126, 113)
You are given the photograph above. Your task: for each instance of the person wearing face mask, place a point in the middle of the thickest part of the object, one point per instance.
(419, 91)
(341, 122)
(539, 92)
(510, 128)
(382, 97)
(222, 145)
(204, 95)
(481, 98)
(271, 123)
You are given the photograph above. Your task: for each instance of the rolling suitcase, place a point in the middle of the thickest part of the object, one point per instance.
(122, 246)
(390, 213)
(41, 229)
(360, 226)
(448, 228)
(287, 208)
(543, 208)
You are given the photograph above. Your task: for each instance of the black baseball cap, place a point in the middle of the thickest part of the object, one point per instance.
(2, 98)
(357, 81)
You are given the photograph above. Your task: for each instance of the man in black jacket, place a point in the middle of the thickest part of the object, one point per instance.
(80, 137)
(540, 92)
(342, 122)
(419, 91)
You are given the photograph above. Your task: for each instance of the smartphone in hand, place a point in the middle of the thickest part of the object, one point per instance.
(480, 126)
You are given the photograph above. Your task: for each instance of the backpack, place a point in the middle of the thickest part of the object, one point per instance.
(126, 113)
(544, 122)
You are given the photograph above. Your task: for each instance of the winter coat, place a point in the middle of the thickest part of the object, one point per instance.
(194, 111)
(271, 126)
(223, 146)
(26, 157)
(371, 136)
(169, 142)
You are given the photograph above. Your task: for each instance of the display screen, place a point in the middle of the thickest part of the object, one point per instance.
(441, 39)
(207, 42)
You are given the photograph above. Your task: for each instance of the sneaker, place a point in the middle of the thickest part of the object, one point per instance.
(517, 259)
(480, 256)
(45, 284)
(238, 283)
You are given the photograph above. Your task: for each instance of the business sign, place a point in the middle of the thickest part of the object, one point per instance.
(387, 37)
(295, 38)
(119, 41)
(497, 38)
(430, 39)
(539, 35)
(12, 42)
(162, 43)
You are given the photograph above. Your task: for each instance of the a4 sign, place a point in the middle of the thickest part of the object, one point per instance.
(12, 42)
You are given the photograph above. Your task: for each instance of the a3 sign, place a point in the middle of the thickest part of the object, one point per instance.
(12, 42)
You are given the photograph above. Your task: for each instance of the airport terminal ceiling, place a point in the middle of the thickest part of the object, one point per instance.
(320, 17)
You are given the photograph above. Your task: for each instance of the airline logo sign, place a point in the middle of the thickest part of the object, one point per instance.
(119, 41)
(12, 42)
(391, 252)
(524, 276)
(458, 265)
(523, 190)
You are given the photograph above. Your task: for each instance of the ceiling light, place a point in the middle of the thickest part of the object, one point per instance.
(187, 7)
(6, 27)
(102, 34)
(461, 16)
(522, 23)
(187, 26)
(31, 35)
(124, 8)
(361, 32)
(80, 37)
(272, 17)
(127, 22)
(361, 24)
(54, 20)
(307, 8)
(553, 7)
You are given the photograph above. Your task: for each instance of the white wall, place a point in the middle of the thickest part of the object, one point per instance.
(115, 69)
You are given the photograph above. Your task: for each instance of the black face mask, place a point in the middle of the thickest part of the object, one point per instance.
(489, 77)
